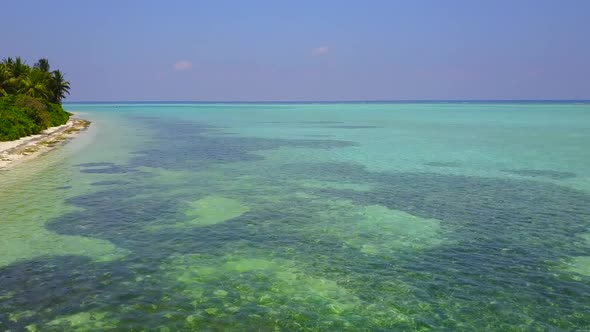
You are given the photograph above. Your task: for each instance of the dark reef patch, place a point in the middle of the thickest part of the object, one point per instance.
(302, 122)
(320, 122)
(183, 145)
(353, 127)
(458, 198)
(548, 174)
(442, 164)
(67, 285)
(109, 183)
(223, 133)
(96, 164)
(104, 167)
(113, 169)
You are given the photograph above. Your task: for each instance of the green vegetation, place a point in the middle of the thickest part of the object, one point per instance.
(30, 98)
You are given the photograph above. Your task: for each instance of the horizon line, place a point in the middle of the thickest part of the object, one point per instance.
(324, 101)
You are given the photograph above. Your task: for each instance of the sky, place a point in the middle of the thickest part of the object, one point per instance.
(219, 50)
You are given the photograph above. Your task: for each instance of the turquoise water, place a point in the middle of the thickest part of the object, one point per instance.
(287, 217)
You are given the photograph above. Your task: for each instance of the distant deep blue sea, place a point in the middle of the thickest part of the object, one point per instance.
(360, 216)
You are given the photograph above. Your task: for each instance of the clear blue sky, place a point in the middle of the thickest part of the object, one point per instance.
(307, 50)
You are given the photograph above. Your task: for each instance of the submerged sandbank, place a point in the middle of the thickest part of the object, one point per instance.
(26, 148)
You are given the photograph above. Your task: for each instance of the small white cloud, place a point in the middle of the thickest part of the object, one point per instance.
(183, 65)
(322, 50)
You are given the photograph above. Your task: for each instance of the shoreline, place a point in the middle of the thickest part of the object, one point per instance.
(13, 153)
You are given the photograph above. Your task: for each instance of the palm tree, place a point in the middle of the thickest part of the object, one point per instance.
(8, 61)
(18, 78)
(58, 86)
(18, 67)
(35, 84)
(5, 76)
(4, 86)
(43, 65)
(16, 70)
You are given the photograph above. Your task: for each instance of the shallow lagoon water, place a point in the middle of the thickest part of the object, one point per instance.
(412, 217)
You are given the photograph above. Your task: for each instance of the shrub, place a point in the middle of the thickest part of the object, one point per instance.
(22, 116)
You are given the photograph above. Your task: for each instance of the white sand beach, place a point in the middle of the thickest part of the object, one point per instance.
(15, 152)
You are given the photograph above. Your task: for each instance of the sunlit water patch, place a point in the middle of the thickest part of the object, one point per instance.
(302, 217)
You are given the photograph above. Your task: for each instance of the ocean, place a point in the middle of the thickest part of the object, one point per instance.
(446, 216)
